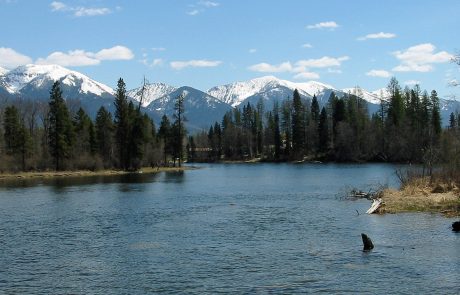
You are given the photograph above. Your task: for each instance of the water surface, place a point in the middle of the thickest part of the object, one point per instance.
(241, 228)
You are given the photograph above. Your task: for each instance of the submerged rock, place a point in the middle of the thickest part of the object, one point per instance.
(367, 242)
(456, 226)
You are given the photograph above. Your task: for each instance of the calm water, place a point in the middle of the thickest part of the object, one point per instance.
(222, 229)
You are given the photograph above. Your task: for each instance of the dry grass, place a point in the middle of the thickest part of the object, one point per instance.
(419, 195)
(58, 174)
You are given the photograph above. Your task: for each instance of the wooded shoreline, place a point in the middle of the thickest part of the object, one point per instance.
(88, 173)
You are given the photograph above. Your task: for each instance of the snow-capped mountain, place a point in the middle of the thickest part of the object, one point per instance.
(39, 76)
(237, 92)
(152, 92)
(201, 109)
(3, 71)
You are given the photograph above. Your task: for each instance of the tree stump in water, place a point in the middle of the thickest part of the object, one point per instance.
(456, 226)
(367, 242)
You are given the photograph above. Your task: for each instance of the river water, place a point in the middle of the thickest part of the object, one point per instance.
(236, 228)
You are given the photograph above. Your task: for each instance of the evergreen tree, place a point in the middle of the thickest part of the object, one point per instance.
(298, 125)
(165, 134)
(452, 121)
(179, 129)
(122, 124)
(323, 131)
(16, 137)
(435, 115)
(277, 131)
(60, 134)
(104, 136)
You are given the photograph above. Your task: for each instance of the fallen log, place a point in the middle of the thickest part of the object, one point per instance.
(375, 205)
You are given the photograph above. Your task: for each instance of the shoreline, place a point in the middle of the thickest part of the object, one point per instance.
(421, 196)
(87, 173)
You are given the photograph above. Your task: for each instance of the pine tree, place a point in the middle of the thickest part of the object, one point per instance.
(277, 131)
(60, 134)
(323, 131)
(435, 115)
(298, 126)
(122, 124)
(104, 135)
(178, 128)
(165, 134)
(16, 137)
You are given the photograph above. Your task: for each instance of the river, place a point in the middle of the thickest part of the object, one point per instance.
(223, 228)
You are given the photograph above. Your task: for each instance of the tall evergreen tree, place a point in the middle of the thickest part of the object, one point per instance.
(298, 125)
(122, 124)
(165, 134)
(105, 136)
(178, 127)
(16, 137)
(323, 131)
(60, 134)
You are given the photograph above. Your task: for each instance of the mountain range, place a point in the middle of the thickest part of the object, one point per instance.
(202, 108)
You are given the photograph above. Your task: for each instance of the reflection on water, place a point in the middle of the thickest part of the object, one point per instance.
(222, 229)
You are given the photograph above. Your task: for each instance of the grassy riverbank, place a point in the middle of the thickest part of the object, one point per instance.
(85, 173)
(419, 195)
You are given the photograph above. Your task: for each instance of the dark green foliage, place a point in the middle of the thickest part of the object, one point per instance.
(323, 131)
(60, 134)
(105, 136)
(16, 137)
(122, 124)
(165, 134)
(298, 126)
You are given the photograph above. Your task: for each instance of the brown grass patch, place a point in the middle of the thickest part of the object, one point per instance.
(419, 195)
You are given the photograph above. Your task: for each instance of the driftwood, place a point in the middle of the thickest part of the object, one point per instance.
(367, 243)
(375, 206)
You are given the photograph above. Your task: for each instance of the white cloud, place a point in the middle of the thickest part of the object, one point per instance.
(115, 53)
(80, 11)
(201, 63)
(419, 58)
(411, 82)
(9, 58)
(252, 50)
(380, 35)
(157, 62)
(268, 68)
(80, 57)
(324, 25)
(307, 45)
(301, 67)
(378, 73)
(193, 12)
(83, 11)
(208, 3)
(58, 6)
(334, 71)
(73, 58)
(306, 76)
(322, 62)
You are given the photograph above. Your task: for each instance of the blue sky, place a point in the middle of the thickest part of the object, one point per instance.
(212, 42)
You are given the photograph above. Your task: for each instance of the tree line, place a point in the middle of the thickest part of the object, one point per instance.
(59, 135)
(406, 129)
(44, 136)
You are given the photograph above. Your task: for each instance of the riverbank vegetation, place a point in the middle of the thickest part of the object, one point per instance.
(39, 136)
(58, 135)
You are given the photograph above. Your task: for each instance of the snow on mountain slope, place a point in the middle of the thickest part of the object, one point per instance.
(237, 92)
(39, 75)
(152, 92)
(3, 71)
